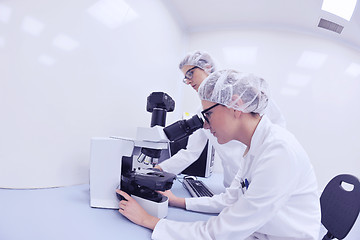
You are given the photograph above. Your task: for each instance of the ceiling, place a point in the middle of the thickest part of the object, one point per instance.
(298, 15)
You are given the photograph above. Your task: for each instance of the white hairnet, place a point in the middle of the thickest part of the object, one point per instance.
(227, 87)
(199, 59)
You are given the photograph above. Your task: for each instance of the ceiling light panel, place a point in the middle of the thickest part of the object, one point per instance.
(241, 55)
(311, 60)
(298, 80)
(353, 70)
(32, 26)
(112, 13)
(341, 8)
(65, 42)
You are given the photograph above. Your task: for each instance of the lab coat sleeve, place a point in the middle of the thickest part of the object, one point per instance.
(185, 157)
(270, 184)
(218, 202)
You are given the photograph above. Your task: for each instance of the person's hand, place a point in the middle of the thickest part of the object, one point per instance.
(174, 200)
(135, 213)
(158, 167)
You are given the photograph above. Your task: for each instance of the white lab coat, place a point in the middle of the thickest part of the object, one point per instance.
(229, 153)
(281, 201)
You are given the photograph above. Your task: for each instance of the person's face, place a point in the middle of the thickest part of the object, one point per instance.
(193, 76)
(218, 119)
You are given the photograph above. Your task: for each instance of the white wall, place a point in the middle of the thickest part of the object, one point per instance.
(57, 93)
(67, 77)
(315, 82)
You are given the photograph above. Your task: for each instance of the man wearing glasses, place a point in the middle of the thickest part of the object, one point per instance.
(196, 66)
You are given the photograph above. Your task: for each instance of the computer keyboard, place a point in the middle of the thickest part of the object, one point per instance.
(197, 188)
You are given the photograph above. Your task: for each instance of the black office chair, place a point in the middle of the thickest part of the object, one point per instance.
(340, 207)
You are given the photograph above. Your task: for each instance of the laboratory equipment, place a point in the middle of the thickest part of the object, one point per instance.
(127, 163)
(197, 188)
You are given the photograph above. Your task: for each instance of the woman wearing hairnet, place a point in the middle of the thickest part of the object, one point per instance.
(273, 196)
(196, 66)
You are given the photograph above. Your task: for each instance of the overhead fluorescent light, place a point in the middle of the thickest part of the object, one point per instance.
(341, 8)
(46, 60)
(65, 42)
(297, 80)
(241, 55)
(353, 70)
(32, 26)
(5, 13)
(311, 60)
(112, 13)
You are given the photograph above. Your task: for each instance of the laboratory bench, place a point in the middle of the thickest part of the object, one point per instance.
(64, 213)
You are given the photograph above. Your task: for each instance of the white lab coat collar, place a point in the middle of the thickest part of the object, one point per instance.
(259, 135)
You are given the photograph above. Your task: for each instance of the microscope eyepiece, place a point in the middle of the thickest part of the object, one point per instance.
(183, 128)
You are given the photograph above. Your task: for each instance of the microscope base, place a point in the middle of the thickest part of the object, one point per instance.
(155, 209)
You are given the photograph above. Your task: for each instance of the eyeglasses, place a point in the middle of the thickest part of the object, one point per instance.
(189, 74)
(207, 115)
